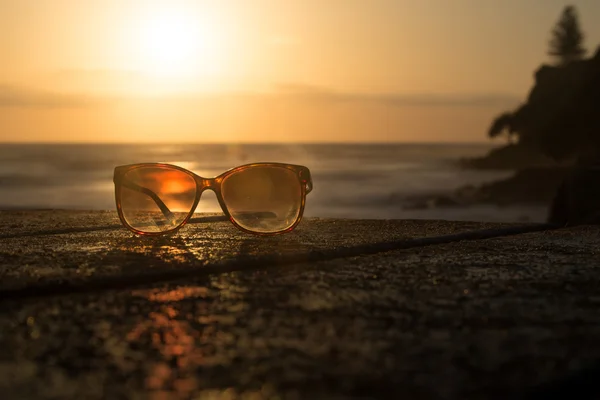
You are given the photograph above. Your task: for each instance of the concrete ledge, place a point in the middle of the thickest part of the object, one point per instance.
(445, 314)
(52, 252)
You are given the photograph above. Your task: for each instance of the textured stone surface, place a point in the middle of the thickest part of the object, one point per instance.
(488, 318)
(58, 250)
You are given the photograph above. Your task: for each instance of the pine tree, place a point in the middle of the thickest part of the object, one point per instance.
(566, 44)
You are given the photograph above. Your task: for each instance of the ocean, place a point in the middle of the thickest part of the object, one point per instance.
(350, 180)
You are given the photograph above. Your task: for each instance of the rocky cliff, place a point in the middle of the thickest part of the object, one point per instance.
(561, 116)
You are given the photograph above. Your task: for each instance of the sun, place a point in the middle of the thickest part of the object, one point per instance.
(172, 43)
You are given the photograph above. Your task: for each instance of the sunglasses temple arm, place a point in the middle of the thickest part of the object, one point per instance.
(308, 184)
(163, 207)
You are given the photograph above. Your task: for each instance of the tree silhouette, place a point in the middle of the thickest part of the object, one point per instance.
(504, 123)
(566, 44)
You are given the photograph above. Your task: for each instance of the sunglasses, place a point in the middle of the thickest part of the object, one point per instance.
(262, 198)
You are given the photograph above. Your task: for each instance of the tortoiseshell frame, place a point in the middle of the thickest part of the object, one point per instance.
(213, 184)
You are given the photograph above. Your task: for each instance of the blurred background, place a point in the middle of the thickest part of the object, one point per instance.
(465, 110)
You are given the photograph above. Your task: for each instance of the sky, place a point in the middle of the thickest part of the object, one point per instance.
(270, 70)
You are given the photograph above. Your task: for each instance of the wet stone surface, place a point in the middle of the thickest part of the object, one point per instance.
(492, 318)
(45, 248)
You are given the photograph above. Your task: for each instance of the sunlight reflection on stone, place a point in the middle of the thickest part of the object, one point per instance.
(168, 249)
(228, 286)
(185, 332)
(178, 294)
(176, 341)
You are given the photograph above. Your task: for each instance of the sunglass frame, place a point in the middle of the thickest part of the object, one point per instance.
(214, 184)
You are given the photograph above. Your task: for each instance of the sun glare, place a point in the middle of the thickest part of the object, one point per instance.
(178, 45)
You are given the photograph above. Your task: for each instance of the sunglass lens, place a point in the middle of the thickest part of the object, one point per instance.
(156, 199)
(263, 199)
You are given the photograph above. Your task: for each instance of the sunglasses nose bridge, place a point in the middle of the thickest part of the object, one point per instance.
(204, 184)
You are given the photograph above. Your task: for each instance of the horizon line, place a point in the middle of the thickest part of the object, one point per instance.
(350, 142)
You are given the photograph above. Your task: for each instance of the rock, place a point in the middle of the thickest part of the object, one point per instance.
(527, 186)
(532, 185)
(577, 200)
(512, 156)
(559, 121)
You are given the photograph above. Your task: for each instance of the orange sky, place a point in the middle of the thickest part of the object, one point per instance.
(269, 70)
